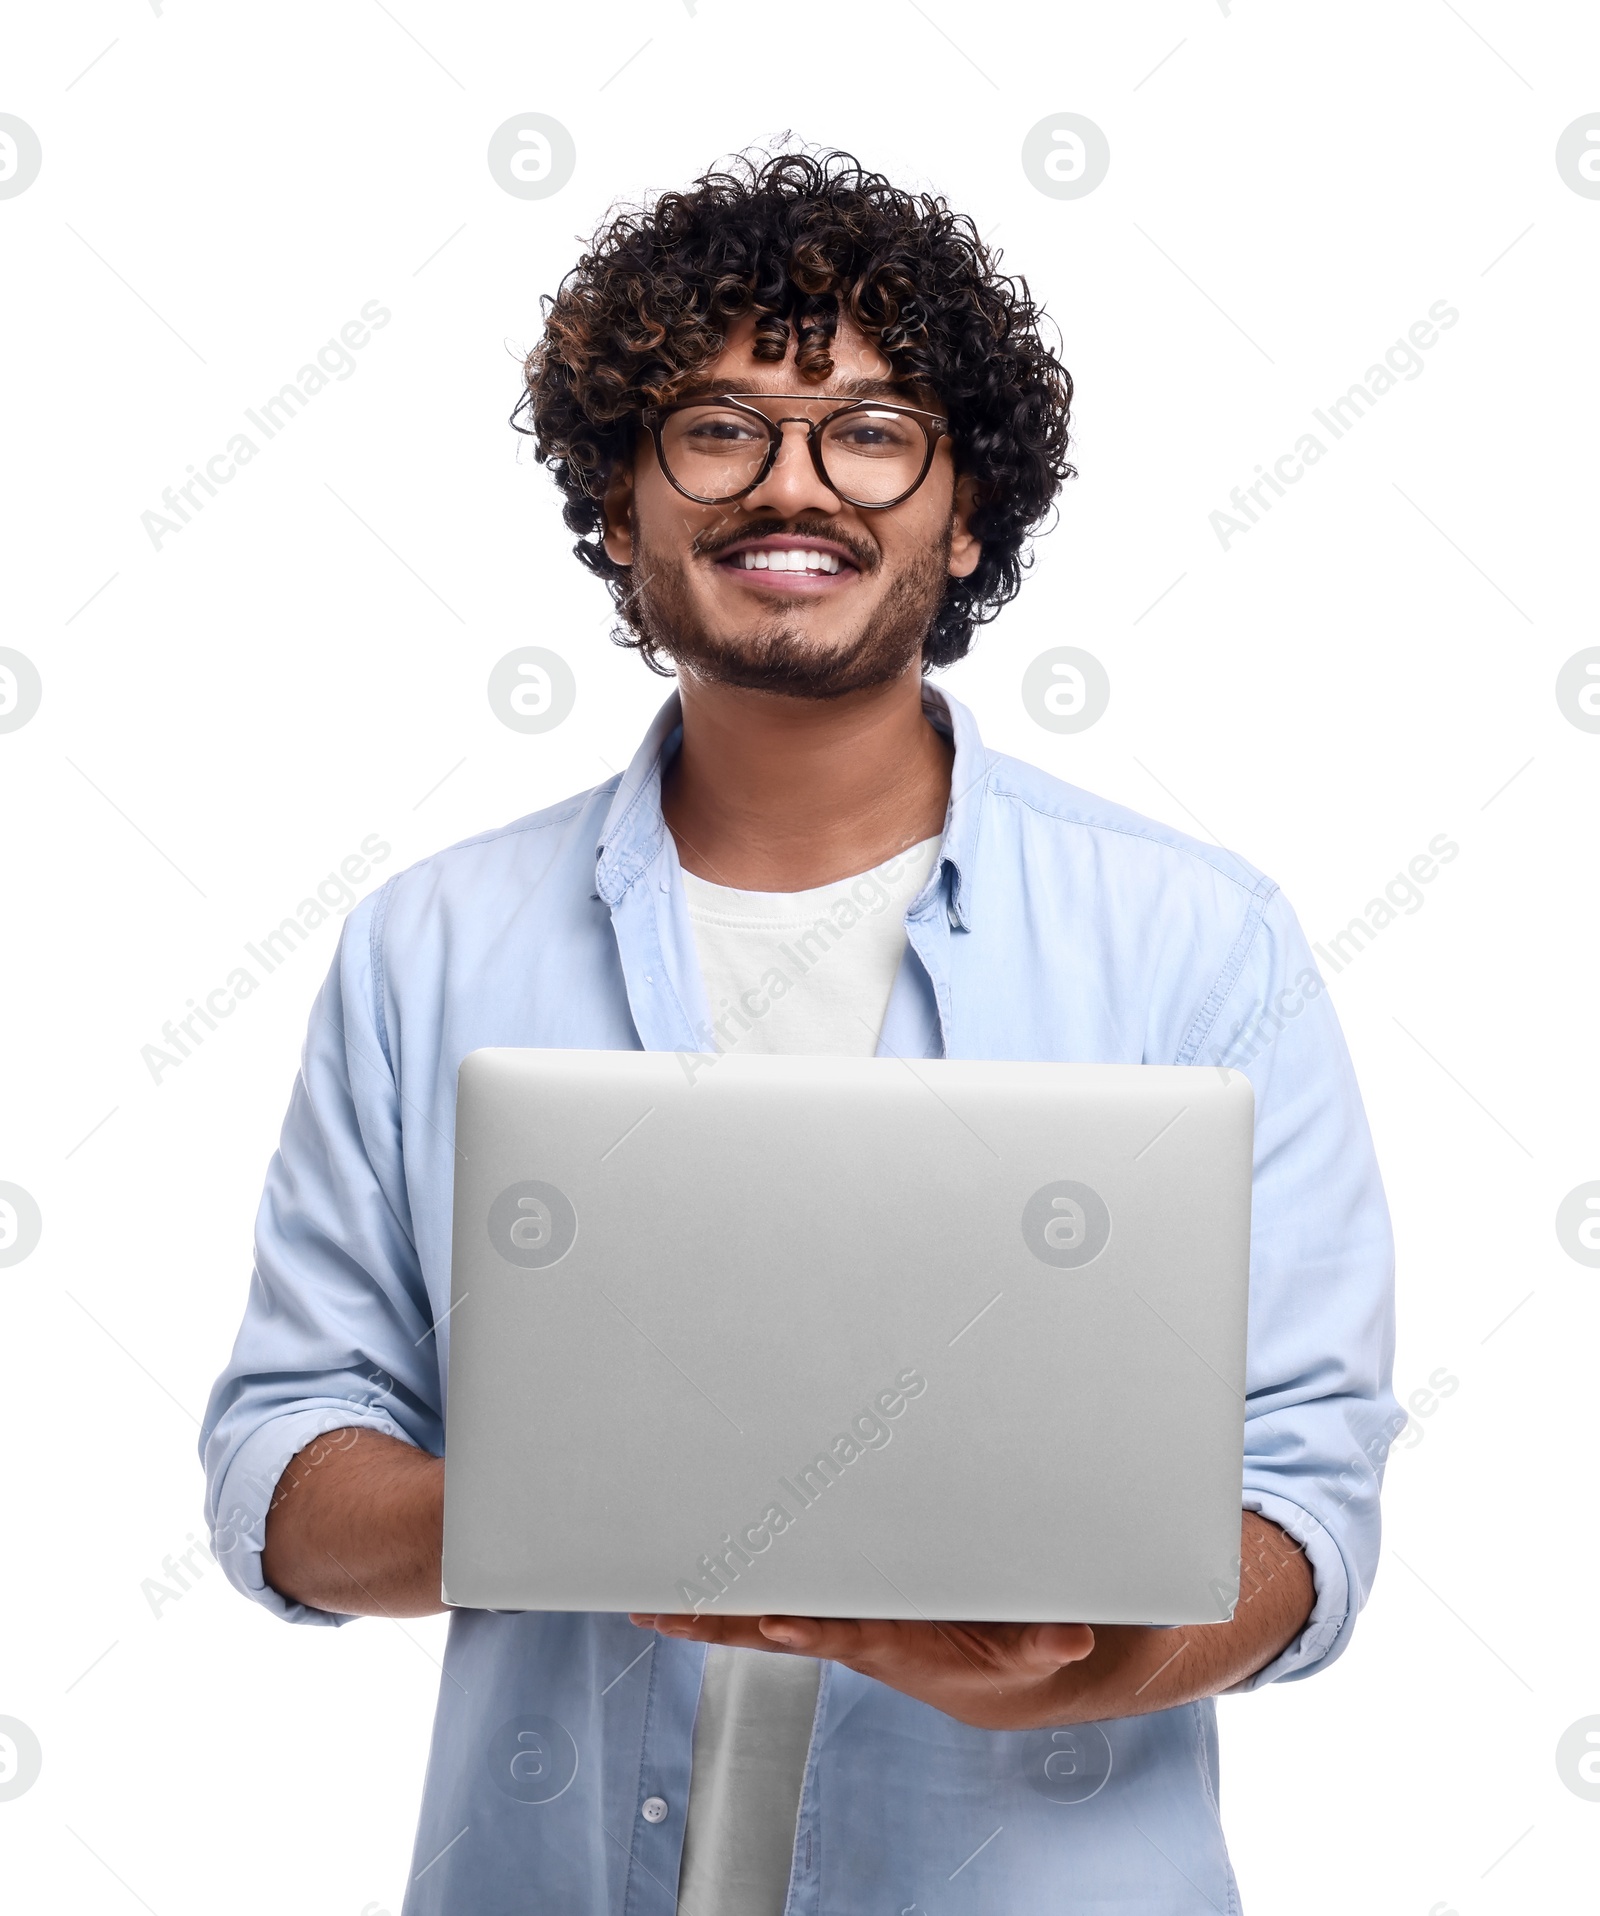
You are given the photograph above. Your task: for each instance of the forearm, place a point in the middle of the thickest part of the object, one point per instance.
(357, 1526)
(1133, 1669)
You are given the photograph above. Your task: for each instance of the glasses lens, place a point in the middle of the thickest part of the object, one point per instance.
(713, 451)
(871, 455)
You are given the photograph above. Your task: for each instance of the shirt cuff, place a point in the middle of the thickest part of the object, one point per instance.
(244, 1496)
(1325, 1627)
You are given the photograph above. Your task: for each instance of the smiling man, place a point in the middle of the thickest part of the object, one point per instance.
(804, 428)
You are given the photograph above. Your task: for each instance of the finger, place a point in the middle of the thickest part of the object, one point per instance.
(684, 1624)
(739, 1633)
(1052, 1646)
(849, 1640)
(802, 1635)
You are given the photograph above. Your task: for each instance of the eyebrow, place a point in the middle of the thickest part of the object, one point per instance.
(710, 388)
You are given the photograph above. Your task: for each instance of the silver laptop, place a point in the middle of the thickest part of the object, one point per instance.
(847, 1337)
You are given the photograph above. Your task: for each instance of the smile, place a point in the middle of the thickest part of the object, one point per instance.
(801, 561)
(791, 566)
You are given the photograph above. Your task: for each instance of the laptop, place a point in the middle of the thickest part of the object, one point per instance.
(858, 1337)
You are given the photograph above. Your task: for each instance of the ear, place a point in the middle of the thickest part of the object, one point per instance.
(616, 510)
(966, 549)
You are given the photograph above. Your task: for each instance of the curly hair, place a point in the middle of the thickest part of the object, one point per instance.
(795, 240)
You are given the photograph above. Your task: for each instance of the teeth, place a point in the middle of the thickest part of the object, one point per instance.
(785, 560)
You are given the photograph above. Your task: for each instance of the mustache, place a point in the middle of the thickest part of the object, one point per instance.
(709, 544)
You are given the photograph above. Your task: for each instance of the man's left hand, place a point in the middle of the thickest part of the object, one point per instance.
(996, 1676)
(1029, 1676)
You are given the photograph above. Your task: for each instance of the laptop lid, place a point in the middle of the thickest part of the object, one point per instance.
(847, 1337)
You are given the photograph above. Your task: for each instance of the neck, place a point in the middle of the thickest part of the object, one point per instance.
(781, 794)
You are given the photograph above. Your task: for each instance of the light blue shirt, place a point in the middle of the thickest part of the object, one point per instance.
(1055, 925)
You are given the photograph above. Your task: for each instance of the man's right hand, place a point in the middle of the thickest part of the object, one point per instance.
(356, 1526)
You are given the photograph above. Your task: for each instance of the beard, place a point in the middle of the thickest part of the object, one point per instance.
(778, 655)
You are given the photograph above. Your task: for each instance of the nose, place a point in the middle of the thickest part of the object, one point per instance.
(793, 485)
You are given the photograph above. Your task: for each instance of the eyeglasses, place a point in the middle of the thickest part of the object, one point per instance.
(869, 454)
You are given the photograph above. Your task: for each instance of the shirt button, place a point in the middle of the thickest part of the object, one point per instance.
(654, 1809)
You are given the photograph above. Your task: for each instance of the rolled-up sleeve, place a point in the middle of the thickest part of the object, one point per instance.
(1320, 1411)
(335, 1327)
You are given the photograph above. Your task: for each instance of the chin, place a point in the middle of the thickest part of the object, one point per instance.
(793, 664)
(781, 653)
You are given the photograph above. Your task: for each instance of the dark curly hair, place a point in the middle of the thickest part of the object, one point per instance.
(794, 239)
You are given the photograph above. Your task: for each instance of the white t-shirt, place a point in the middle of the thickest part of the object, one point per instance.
(784, 971)
(806, 970)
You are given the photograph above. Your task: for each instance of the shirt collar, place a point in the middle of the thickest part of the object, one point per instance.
(634, 832)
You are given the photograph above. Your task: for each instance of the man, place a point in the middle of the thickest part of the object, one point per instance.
(804, 428)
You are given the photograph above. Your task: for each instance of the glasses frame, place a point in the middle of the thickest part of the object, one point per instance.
(935, 426)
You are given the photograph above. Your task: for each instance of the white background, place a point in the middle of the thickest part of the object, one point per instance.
(226, 718)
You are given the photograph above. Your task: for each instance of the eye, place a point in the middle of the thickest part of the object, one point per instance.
(718, 428)
(875, 433)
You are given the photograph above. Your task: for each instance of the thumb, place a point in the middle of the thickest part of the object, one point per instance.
(1051, 1645)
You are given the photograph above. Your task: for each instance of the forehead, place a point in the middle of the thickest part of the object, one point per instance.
(856, 362)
